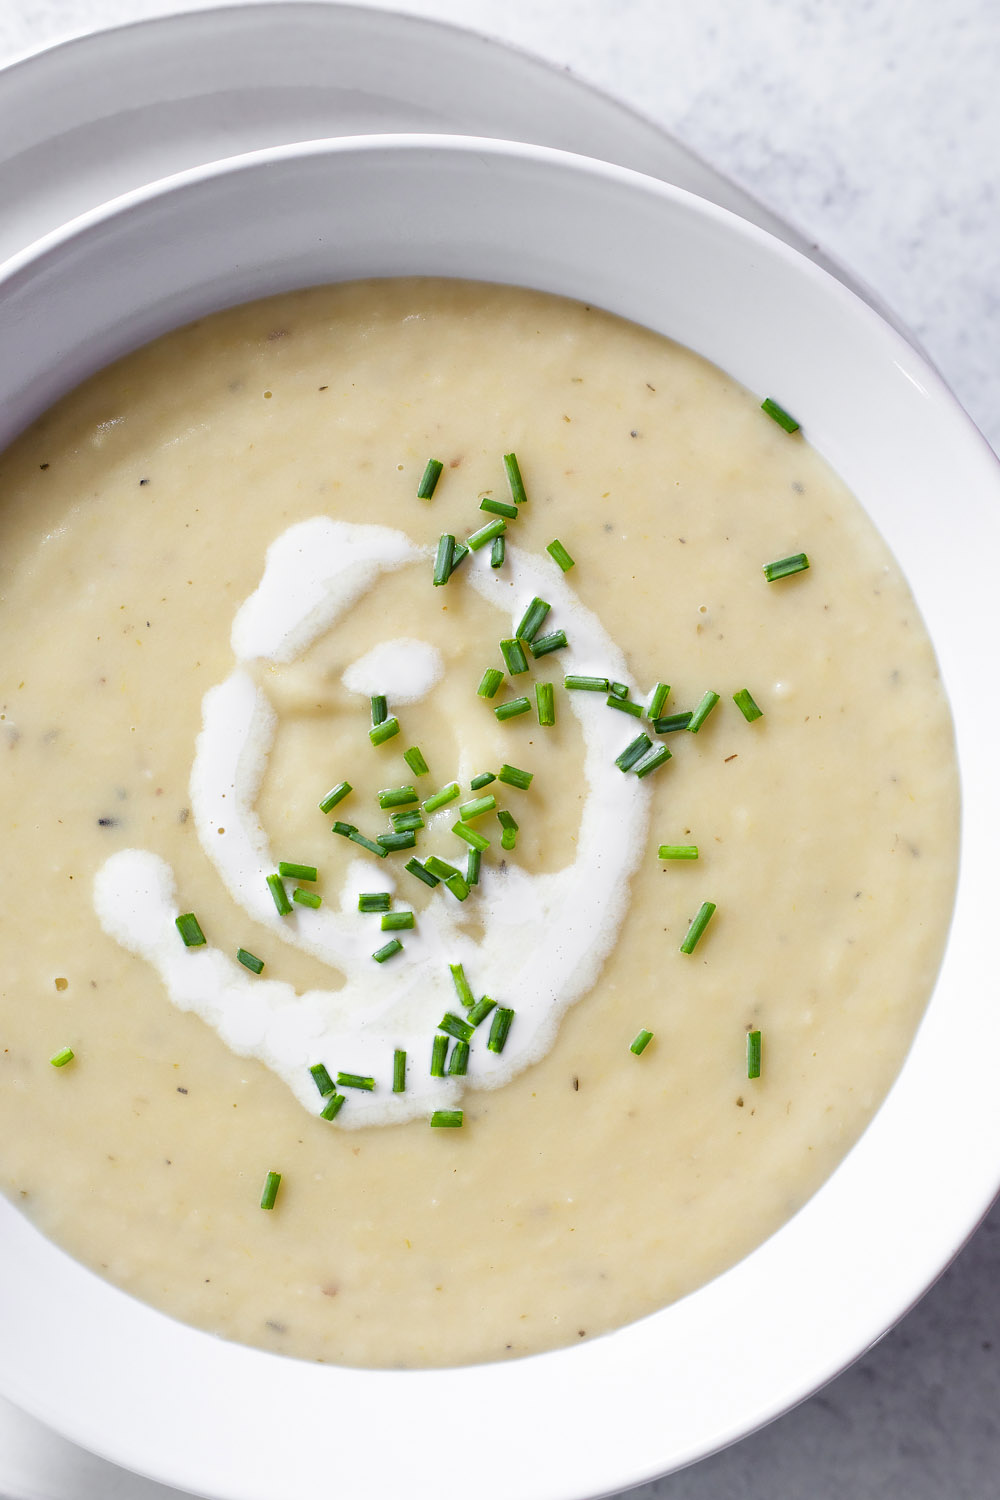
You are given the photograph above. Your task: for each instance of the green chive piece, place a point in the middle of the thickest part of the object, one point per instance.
(442, 560)
(448, 1119)
(483, 779)
(633, 752)
(439, 1051)
(249, 960)
(531, 620)
(507, 821)
(333, 1107)
(272, 1182)
(487, 533)
(399, 1071)
(478, 806)
(190, 929)
(672, 722)
(542, 645)
(414, 758)
(491, 681)
(499, 552)
(297, 872)
(641, 1042)
(500, 1029)
(379, 733)
(779, 414)
(443, 797)
(456, 1026)
(428, 483)
(472, 867)
(61, 1058)
(545, 704)
(579, 684)
(397, 796)
(678, 851)
(753, 1054)
(514, 658)
(458, 1062)
(661, 693)
(498, 508)
(322, 1079)
(345, 829)
(463, 989)
(458, 886)
(279, 895)
(397, 921)
(785, 566)
(459, 554)
(747, 707)
(476, 840)
(380, 710)
(439, 867)
(393, 841)
(514, 479)
(652, 761)
(702, 712)
(481, 1010)
(512, 708)
(512, 776)
(618, 689)
(335, 795)
(387, 950)
(625, 705)
(355, 1081)
(374, 901)
(369, 844)
(307, 898)
(416, 868)
(559, 555)
(705, 913)
(407, 822)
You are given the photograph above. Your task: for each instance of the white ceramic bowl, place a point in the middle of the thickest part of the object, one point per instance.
(227, 1421)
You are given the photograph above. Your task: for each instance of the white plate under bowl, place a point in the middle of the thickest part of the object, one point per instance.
(696, 1375)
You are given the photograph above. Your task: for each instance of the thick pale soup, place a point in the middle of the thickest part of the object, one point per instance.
(214, 558)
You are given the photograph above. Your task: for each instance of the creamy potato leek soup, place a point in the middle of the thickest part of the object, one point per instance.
(480, 822)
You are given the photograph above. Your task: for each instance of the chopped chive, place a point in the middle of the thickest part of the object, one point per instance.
(487, 533)
(702, 711)
(439, 1051)
(477, 807)
(483, 779)
(439, 867)
(448, 1119)
(491, 681)
(455, 1026)
(458, 886)
(512, 776)
(512, 708)
(463, 989)
(369, 844)
(335, 795)
(514, 479)
(307, 898)
(416, 868)
(322, 1079)
(61, 1058)
(785, 566)
(652, 761)
(272, 1182)
(249, 961)
(625, 705)
(633, 752)
(407, 822)
(344, 829)
(678, 851)
(387, 950)
(399, 1071)
(542, 645)
(481, 1010)
(397, 796)
(498, 553)
(671, 722)
(545, 704)
(705, 913)
(355, 1081)
(458, 1062)
(279, 895)
(415, 760)
(428, 483)
(753, 1054)
(509, 825)
(500, 1028)
(395, 841)
(779, 414)
(443, 797)
(498, 508)
(618, 689)
(531, 620)
(190, 929)
(459, 553)
(559, 555)
(578, 684)
(374, 901)
(333, 1107)
(472, 867)
(384, 731)
(380, 710)
(641, 1042)
(297, 872)
(442, 560)
(397, 921)
(660, 694)
(513, 656)
(747, 707)
(476, 840)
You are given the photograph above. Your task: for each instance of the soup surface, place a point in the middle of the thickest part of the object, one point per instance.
(262, 466)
